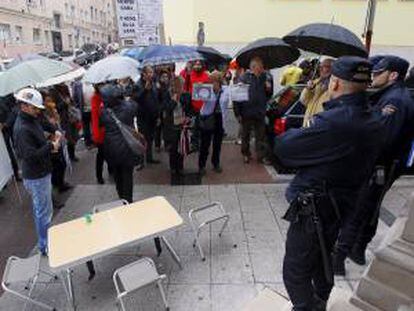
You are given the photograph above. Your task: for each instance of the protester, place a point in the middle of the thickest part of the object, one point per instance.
(316, 93)
(82, 94)
(237, 76)
(98, 133)
(251, 114)
(394, 104)
(330, 173)
(164, 89)
(60, 160)
(212, 116)
(35, 150)
(116, 150)
(8, 114)
(148, 112)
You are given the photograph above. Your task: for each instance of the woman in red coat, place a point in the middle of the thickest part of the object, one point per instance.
(98, 132)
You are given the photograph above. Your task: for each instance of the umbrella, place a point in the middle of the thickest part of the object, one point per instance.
(23, 58)
(326, 39)
(134, 53)
(212, 56)
(112, 68)
(166, 54)
(76, 73)
(273, 51)
(29, 73)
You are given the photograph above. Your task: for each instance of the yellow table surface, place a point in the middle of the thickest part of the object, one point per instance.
(77, 241)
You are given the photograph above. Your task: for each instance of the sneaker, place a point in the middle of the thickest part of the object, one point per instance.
(65, 187)
(357, 255)
(101, 181)
(246, 159)
(238, 142)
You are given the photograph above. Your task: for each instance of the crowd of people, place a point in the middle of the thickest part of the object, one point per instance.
(349, 139)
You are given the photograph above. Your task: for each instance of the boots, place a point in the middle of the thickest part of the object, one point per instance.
(338, 263)
(357, 254)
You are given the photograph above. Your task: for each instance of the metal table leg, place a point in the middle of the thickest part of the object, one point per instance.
(70, 289)
(172, 252)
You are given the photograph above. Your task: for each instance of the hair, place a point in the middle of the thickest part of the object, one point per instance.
(256, 59)
(216, 76)
(146, 68)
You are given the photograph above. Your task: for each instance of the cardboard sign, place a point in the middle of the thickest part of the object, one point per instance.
(239, 92)
(203, 92)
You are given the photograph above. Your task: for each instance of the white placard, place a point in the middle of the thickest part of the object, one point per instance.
(127, 18)
(239, 92)
(6, 171)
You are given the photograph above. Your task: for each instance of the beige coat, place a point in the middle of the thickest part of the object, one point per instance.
(313, 99)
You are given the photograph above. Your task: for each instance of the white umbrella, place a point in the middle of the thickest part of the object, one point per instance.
(30, 73)
(72, 75)
(112, 68)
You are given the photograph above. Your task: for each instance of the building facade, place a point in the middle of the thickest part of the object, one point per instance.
(30, 26)
(230, 24)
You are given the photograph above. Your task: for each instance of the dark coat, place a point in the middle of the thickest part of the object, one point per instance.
(32, 147)
(8, 114)
(338, 150)
(258, 96)
(399, 125)
(116, 150)
(148, 103)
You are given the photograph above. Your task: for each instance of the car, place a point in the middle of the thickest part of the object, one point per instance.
(53, 55)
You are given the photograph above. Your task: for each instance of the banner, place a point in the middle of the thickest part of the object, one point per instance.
(6, 171)
(127, 11)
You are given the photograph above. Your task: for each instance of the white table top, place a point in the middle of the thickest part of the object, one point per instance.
(77, 241)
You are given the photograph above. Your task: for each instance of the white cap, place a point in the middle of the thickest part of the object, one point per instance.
(31, 97)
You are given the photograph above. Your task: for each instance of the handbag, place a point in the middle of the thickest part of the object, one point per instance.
(135, 140)
(208, 123)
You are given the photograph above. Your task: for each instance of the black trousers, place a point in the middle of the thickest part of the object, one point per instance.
(58, 170)
(258, 126)
(148, 130)
(361, 227)
(207, 137)
(303, 270)
(176, 159)
(10, 151)
(123, 176)
(86, 123)
(71, 150)
(99, 163)
(158, 134)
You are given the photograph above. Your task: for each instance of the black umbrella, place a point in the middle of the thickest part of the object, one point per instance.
(211, 55)
(273, 51)
(326, 39)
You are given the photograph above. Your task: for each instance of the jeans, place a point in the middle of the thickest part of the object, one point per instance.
(41, 192)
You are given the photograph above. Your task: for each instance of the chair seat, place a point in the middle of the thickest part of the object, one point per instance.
(208, 214)
(22, 269)
(138, 274)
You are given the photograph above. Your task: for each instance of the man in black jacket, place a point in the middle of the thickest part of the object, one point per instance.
(34, 151)
(252, 113)
(146, 96)
(8, 114)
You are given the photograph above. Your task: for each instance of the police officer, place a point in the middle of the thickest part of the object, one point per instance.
(393, 103)
(332, 156)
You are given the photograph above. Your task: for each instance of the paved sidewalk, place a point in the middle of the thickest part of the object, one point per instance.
(229, 277)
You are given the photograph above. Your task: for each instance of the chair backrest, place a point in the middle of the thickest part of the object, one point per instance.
(107, 206)
(21, 269)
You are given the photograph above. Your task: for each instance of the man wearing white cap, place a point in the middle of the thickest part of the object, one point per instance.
(34, 151)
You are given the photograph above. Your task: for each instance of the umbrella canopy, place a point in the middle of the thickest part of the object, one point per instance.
(212, 56)
(112, 68)
(273, 51)
(326, 39)
(71, 75)
(29, 73)
(134, 53)
(166, 54)
(23, 58)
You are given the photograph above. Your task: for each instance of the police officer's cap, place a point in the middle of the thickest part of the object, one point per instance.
(375, 59)
(352, 68)
(394, 64)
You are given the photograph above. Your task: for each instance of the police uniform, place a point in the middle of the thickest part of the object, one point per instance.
(396, 108)
(332, 156)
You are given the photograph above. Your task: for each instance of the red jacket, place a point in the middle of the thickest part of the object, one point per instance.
(98, 132)
(198, 77)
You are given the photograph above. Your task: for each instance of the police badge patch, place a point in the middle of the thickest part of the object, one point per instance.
(389, 110)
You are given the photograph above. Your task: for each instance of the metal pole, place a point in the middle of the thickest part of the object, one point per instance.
(369, 23)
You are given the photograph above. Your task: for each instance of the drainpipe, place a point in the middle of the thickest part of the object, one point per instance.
(369, 23)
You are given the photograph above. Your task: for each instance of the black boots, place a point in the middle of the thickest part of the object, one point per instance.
(357, 254)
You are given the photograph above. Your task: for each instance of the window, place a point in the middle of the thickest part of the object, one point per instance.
(47, 37)
(96, 14)
(70, 41)
(91, 13)
(72, 11)
(56, 20)
(5, 34)
(19, 34)
(66, 10)
(36, 35)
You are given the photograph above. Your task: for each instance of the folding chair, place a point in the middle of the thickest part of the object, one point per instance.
(205, 215)
(135, 276)
(25, 271)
